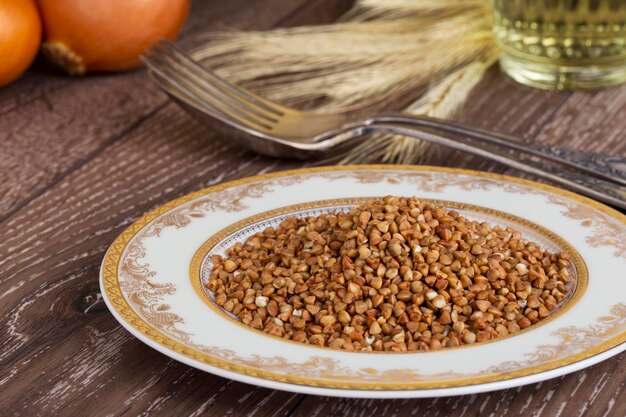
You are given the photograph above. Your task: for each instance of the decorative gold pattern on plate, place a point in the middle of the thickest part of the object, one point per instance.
(606, 232)
(578, 271)
(155, 321)
(572, 338)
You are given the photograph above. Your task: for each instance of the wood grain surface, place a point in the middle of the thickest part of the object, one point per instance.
(82, 158)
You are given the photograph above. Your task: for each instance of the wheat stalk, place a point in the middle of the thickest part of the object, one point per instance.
(432, 51)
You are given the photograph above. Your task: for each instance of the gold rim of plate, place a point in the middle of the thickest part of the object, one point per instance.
(579, 266)
(113, 292)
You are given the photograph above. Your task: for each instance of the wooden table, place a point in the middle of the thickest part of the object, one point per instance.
(82, 158)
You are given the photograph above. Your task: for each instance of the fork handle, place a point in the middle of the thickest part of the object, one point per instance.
(610, 168)
(596, 188)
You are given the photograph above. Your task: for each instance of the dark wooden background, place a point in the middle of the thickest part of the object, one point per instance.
(81, 158)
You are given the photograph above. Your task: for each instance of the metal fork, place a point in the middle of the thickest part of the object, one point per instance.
(272, 129)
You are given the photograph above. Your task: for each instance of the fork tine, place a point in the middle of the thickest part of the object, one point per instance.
(204, 107)
(204, 80)
(227, 86)
(179, 87)
(189, 84)
(174, 87)
(191, 72)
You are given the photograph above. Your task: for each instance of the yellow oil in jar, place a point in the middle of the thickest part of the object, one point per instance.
(562, 44)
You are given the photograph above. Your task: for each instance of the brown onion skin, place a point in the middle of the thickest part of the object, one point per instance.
(20, 36)
(107, 35)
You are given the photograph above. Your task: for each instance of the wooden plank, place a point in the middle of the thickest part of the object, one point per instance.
(39, 80)
(237, 399)
(68, 122)
(45, 138)
(60, 342)
(51, 251)
(590, 121)
(502, 105)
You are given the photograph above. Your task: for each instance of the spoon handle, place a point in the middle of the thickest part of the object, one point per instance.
(596, 188)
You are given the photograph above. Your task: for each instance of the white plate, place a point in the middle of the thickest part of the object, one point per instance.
(152, 274)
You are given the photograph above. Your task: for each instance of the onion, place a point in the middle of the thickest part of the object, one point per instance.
(20, 35)
(107, 35)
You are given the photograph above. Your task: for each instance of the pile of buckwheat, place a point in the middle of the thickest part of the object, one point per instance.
(396, 274)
